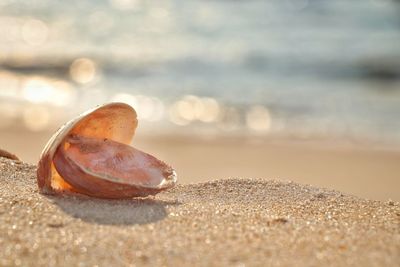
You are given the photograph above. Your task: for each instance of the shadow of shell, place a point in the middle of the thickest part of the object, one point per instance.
(113, 212)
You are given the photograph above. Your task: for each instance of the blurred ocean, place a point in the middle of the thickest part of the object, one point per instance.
(302, 68)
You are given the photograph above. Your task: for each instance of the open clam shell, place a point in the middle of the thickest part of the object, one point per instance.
(91, 155)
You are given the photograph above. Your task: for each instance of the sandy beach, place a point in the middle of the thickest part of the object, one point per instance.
(361, 169)
(233, 222)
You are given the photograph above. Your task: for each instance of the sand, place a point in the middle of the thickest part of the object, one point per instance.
(232, 222)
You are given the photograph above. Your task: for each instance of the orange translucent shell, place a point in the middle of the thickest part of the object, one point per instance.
(91, 155)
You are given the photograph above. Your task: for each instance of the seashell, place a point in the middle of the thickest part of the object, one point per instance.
(91, 155)
(8, 155)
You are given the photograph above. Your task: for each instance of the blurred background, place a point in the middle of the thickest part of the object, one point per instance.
(302, 90)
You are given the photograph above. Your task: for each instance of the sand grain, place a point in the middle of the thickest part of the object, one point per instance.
(235, 222)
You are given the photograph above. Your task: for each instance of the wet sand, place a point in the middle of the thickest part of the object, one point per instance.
(233, 222)
(355, 168)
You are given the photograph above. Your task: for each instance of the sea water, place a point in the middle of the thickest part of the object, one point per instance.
(305, 67)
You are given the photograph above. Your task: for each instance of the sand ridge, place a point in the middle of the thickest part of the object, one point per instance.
(233, 222)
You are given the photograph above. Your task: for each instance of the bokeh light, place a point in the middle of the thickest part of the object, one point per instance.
(37, 90)
(83, 70)
(193, 108)
(176, 113)
(147, 108)
(210, 111)
(41, 90)
(258, 118)
(34, 32)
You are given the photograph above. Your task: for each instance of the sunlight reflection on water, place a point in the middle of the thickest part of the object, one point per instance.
(255, 67)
